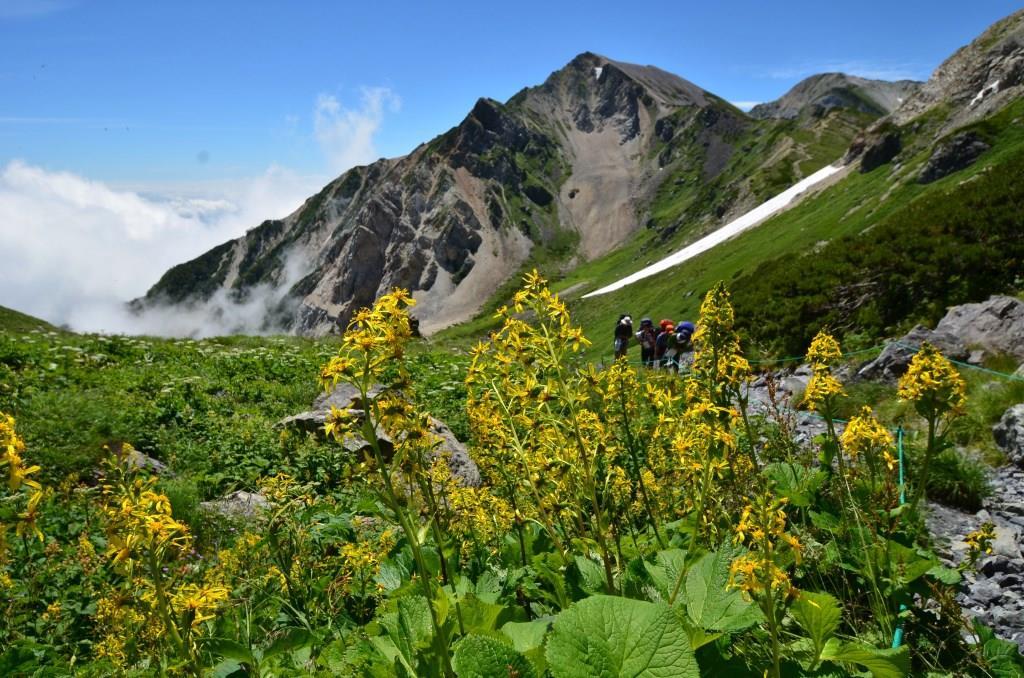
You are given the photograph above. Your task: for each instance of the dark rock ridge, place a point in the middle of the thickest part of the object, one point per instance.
(952, 156)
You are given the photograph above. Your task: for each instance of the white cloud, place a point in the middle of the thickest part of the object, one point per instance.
(346, 135)
(76, 249)
(745, 105)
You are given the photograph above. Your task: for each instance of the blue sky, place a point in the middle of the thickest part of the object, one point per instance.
(138, 92)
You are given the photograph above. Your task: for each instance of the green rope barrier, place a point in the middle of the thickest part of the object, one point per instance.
(977, 368)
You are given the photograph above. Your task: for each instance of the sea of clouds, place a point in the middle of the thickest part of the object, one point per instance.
(73, 250)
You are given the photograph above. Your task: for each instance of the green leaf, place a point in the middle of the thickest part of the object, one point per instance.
(590, 575)
(478, 616)
(526, 636)
(798, 483)
(229, 649)
(1003, 658)
(486, 657)
(292, 639)
(665, 571)
(226, 668)
(818, 614)
(709, 601)
(946, 575)
(888, 663)
(610, 637)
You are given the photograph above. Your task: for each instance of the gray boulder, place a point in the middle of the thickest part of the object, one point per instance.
(346, 397)
(143, 462)
(995, 325)
(1009, 434)
(240, 505)
(952, 156)
(896, 356)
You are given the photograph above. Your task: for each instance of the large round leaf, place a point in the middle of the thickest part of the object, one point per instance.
(618, 637)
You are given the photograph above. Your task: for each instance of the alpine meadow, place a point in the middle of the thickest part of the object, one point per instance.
(615, 377)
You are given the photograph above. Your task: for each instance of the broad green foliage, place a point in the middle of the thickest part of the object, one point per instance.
(818, 614)
(887, 663)
(613, 637)
(710, 602)
(487, 657)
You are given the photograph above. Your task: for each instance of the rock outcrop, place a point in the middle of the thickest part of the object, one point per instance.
(995, 325)
(976, 81)
(346, 397)
(1009, 434)
(952, 156)
(239, 505)
(896, 356)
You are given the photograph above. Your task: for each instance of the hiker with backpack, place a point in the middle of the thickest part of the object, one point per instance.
(666, 328)
(623, 333)
(683, 344)
(646, 336)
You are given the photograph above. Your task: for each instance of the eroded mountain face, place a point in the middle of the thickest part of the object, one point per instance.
(576, 166)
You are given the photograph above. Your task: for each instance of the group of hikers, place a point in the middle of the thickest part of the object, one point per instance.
(668, 345)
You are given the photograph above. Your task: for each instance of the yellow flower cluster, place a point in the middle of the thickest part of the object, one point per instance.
(823, 388)
(933, 384)
(140, 523)
(979, 542)
(195, 603)
(375, 338)
(155, 604)
(865, 437)
(718, 362)
(23, 490)
(762, 528)
(824, 352)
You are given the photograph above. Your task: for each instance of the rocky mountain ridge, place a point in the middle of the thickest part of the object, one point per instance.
(821, 93)
(572, 167)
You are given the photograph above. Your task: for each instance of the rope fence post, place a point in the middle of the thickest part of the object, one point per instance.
(897, 636)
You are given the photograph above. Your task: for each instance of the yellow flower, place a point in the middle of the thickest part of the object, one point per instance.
(864, 435)
(824, 352)
(821, 391)
(933, 384)
(198, 603)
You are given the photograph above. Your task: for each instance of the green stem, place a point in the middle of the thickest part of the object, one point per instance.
(163, 609)
(922, 491)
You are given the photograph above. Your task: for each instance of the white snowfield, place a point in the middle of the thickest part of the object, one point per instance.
(735, 227)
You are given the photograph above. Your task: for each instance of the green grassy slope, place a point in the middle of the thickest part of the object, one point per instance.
(771, 155)
(852, 207)
(16, 321)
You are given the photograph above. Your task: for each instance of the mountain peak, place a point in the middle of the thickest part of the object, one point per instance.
(823, 92)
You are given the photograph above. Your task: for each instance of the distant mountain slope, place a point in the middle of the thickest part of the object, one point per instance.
(601, 154)
(819, 94)
(18, 322)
